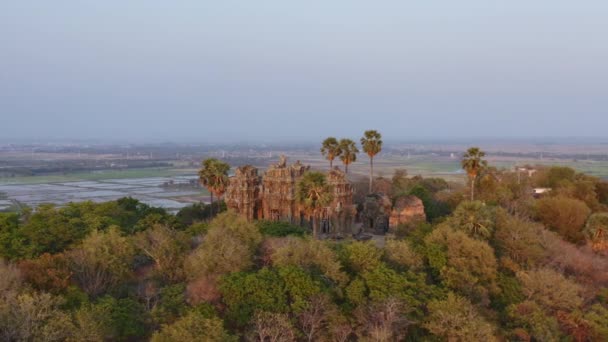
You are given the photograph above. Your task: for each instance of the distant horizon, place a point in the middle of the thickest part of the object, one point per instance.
(312, 140)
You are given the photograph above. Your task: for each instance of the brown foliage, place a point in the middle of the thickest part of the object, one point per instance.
(575, 326)
(203, 289)
(580, 262)
(268, 247)
(47, 272)
(564, 215)
(10, 277)
(551, 290)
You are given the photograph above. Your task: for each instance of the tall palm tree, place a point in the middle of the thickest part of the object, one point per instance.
(330, 149)
(214, 176)
(313, 193)
(473, 163)
(348, 154)
(372, 145)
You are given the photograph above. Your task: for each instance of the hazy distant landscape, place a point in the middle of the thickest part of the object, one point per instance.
(312, 171)
(59, 173)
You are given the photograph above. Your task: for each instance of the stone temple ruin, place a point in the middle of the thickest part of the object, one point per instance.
(380, 215)
(272, 196)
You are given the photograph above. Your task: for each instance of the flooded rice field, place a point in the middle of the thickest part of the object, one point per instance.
(172, 193)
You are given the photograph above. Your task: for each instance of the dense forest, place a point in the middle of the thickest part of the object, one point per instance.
(507, 266)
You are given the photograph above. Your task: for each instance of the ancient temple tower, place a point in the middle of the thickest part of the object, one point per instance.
(341, 212)
(243, 193)
(279, 187)
(273, 196)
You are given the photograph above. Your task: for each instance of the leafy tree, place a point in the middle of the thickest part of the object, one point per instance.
(510, 291)
(601, 188)
(171, 305)
(371, 143)
(463, 264)
(229, 246)
(361, 256)
(456, 319)
(564, 215)
(519, 239)
(192, 328)
(349, 152)
(51, 230)
(286, 289)
(382, 283)
(280, 229)
(125, 318)
(103, 260)
(300, 287)
(596, 231)
(401, 254)
(32, 317)
(474, 218)
(214, 176)
(166, 247)
(473, 163)
(550, 289)
(534, 321)
(245, 293)
(597, 318)
(552, 177)
(400, 183)
(311, 255)
(11, 241)
(433, 208)
(90, 324)
(330, 149)
(313, 193)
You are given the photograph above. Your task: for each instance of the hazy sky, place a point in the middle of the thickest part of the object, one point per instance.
(251, 70)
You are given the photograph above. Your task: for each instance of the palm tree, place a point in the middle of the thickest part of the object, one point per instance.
(473, 163)
(372, 145)
(330, 149)
(214, 176)
(313, 193)
(348, 154)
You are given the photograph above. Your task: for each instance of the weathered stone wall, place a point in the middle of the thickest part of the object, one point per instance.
(279, 192)
(407, 209)
(376, 213)
(342, 211)
(243, 193)
(380, 215)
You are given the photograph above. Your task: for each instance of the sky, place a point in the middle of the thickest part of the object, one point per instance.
(296, 70)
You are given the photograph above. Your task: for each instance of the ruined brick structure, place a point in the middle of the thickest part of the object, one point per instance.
(380, 215)
(272, 196)
(243, 193)
(279, 192)
(407, 209)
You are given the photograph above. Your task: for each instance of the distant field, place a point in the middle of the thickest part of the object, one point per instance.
(96, 176)
(384, 165)
(445, 167)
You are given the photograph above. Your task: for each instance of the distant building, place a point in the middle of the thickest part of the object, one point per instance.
(537, 192)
